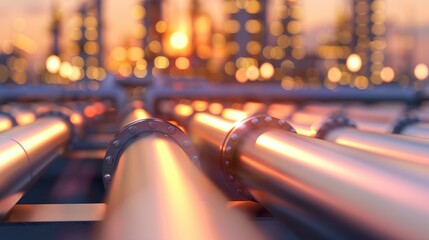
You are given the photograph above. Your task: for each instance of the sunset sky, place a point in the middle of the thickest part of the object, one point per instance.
(33, 18)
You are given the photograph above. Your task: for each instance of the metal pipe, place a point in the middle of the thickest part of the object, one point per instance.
(394, 146)
(134, 115)
(157, 193)
(405, 148)
(371, 123)
(281, 111)
(26, 151)
(420, 130)
(329, 190)
(21, 115)
(304, 117)
(376, 114)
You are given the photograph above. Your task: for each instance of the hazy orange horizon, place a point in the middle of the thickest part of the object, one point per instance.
(35, 19)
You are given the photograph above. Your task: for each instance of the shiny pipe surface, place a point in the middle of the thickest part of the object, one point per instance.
(182, 112)
(157, 193)
(373, 126)
(406, 148)
(375, 113)
(134, 115)
(304, 117)
(394, 146)
(420, 130)
(323, 186)
(281, 111)
(234, 114)
(25, 153)
(362, 190)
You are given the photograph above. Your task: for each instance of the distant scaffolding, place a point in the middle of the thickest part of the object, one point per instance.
(368, 35)
(246, 31)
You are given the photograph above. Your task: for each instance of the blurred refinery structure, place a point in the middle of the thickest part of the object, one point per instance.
(259, 40)
(212, 123)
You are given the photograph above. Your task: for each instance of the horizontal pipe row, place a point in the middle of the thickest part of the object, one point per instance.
(320, 185)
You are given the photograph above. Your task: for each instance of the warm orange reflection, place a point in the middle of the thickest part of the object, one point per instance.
(199, 105)
(303, 117)
(178, 125)
(76, 119)
(179, 40)
(233, 114)
(183, 110)
(99, 108)
(254, 107)
(394, 146)
(5, 124)
(134, 115)
(281, 111)
(177, 189)
(157, 193)
(38, 138)
(89, 111)
(141, 114)
(366, 190)
(303, 129)
(213, 121)
(215, 108)
(25, 118)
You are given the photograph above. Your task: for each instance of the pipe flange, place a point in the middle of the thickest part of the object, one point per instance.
(132, 131)
(331, 123)
(401, 123)
(10, 116)
(65, 114)
(232, 141)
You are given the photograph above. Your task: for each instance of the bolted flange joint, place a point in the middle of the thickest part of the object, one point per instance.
(232, 141)
(333, 122)
(128, 134)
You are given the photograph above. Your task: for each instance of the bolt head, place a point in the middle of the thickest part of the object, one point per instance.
(171, 130)
(107, 177)
(116, 144)
(186, 144)
(152, 125)
(109, 160)
(228, 149)
(254, 121)
(132, 129)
